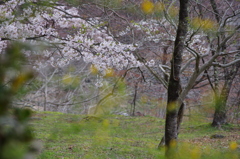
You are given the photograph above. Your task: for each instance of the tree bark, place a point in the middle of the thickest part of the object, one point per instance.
(174, 86)
(220, 114)
(179, 121)
(134, 100)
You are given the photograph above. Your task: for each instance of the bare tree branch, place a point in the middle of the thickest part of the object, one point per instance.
(226, 65)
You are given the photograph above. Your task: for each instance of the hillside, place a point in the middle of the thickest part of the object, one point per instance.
(75, 136)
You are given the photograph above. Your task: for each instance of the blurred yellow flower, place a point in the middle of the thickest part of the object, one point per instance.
(109, 72)
(233, 145)
(171, 106)
(205, 24)
(93, 69)
(20, 80)
(67, 79)
(147, 6)
(208, 24)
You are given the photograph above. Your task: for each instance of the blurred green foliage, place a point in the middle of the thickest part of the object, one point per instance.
(15, 134)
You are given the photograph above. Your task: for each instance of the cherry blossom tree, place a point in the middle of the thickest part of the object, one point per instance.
(44, 26)
(59, 34)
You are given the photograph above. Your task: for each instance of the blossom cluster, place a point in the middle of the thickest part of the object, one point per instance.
(160, 31)
(153, 30)
(60, 35)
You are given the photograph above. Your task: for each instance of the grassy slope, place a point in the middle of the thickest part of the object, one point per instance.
(120, 137)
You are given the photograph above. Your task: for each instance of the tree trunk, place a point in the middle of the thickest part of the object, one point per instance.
(174, 86)
(45, 97)
(220, 117)
(134, 100)
(220, 114)
(179, 121)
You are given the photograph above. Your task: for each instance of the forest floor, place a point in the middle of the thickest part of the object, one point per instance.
(124, 137)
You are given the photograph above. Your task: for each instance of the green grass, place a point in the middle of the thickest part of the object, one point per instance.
(119, 137)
